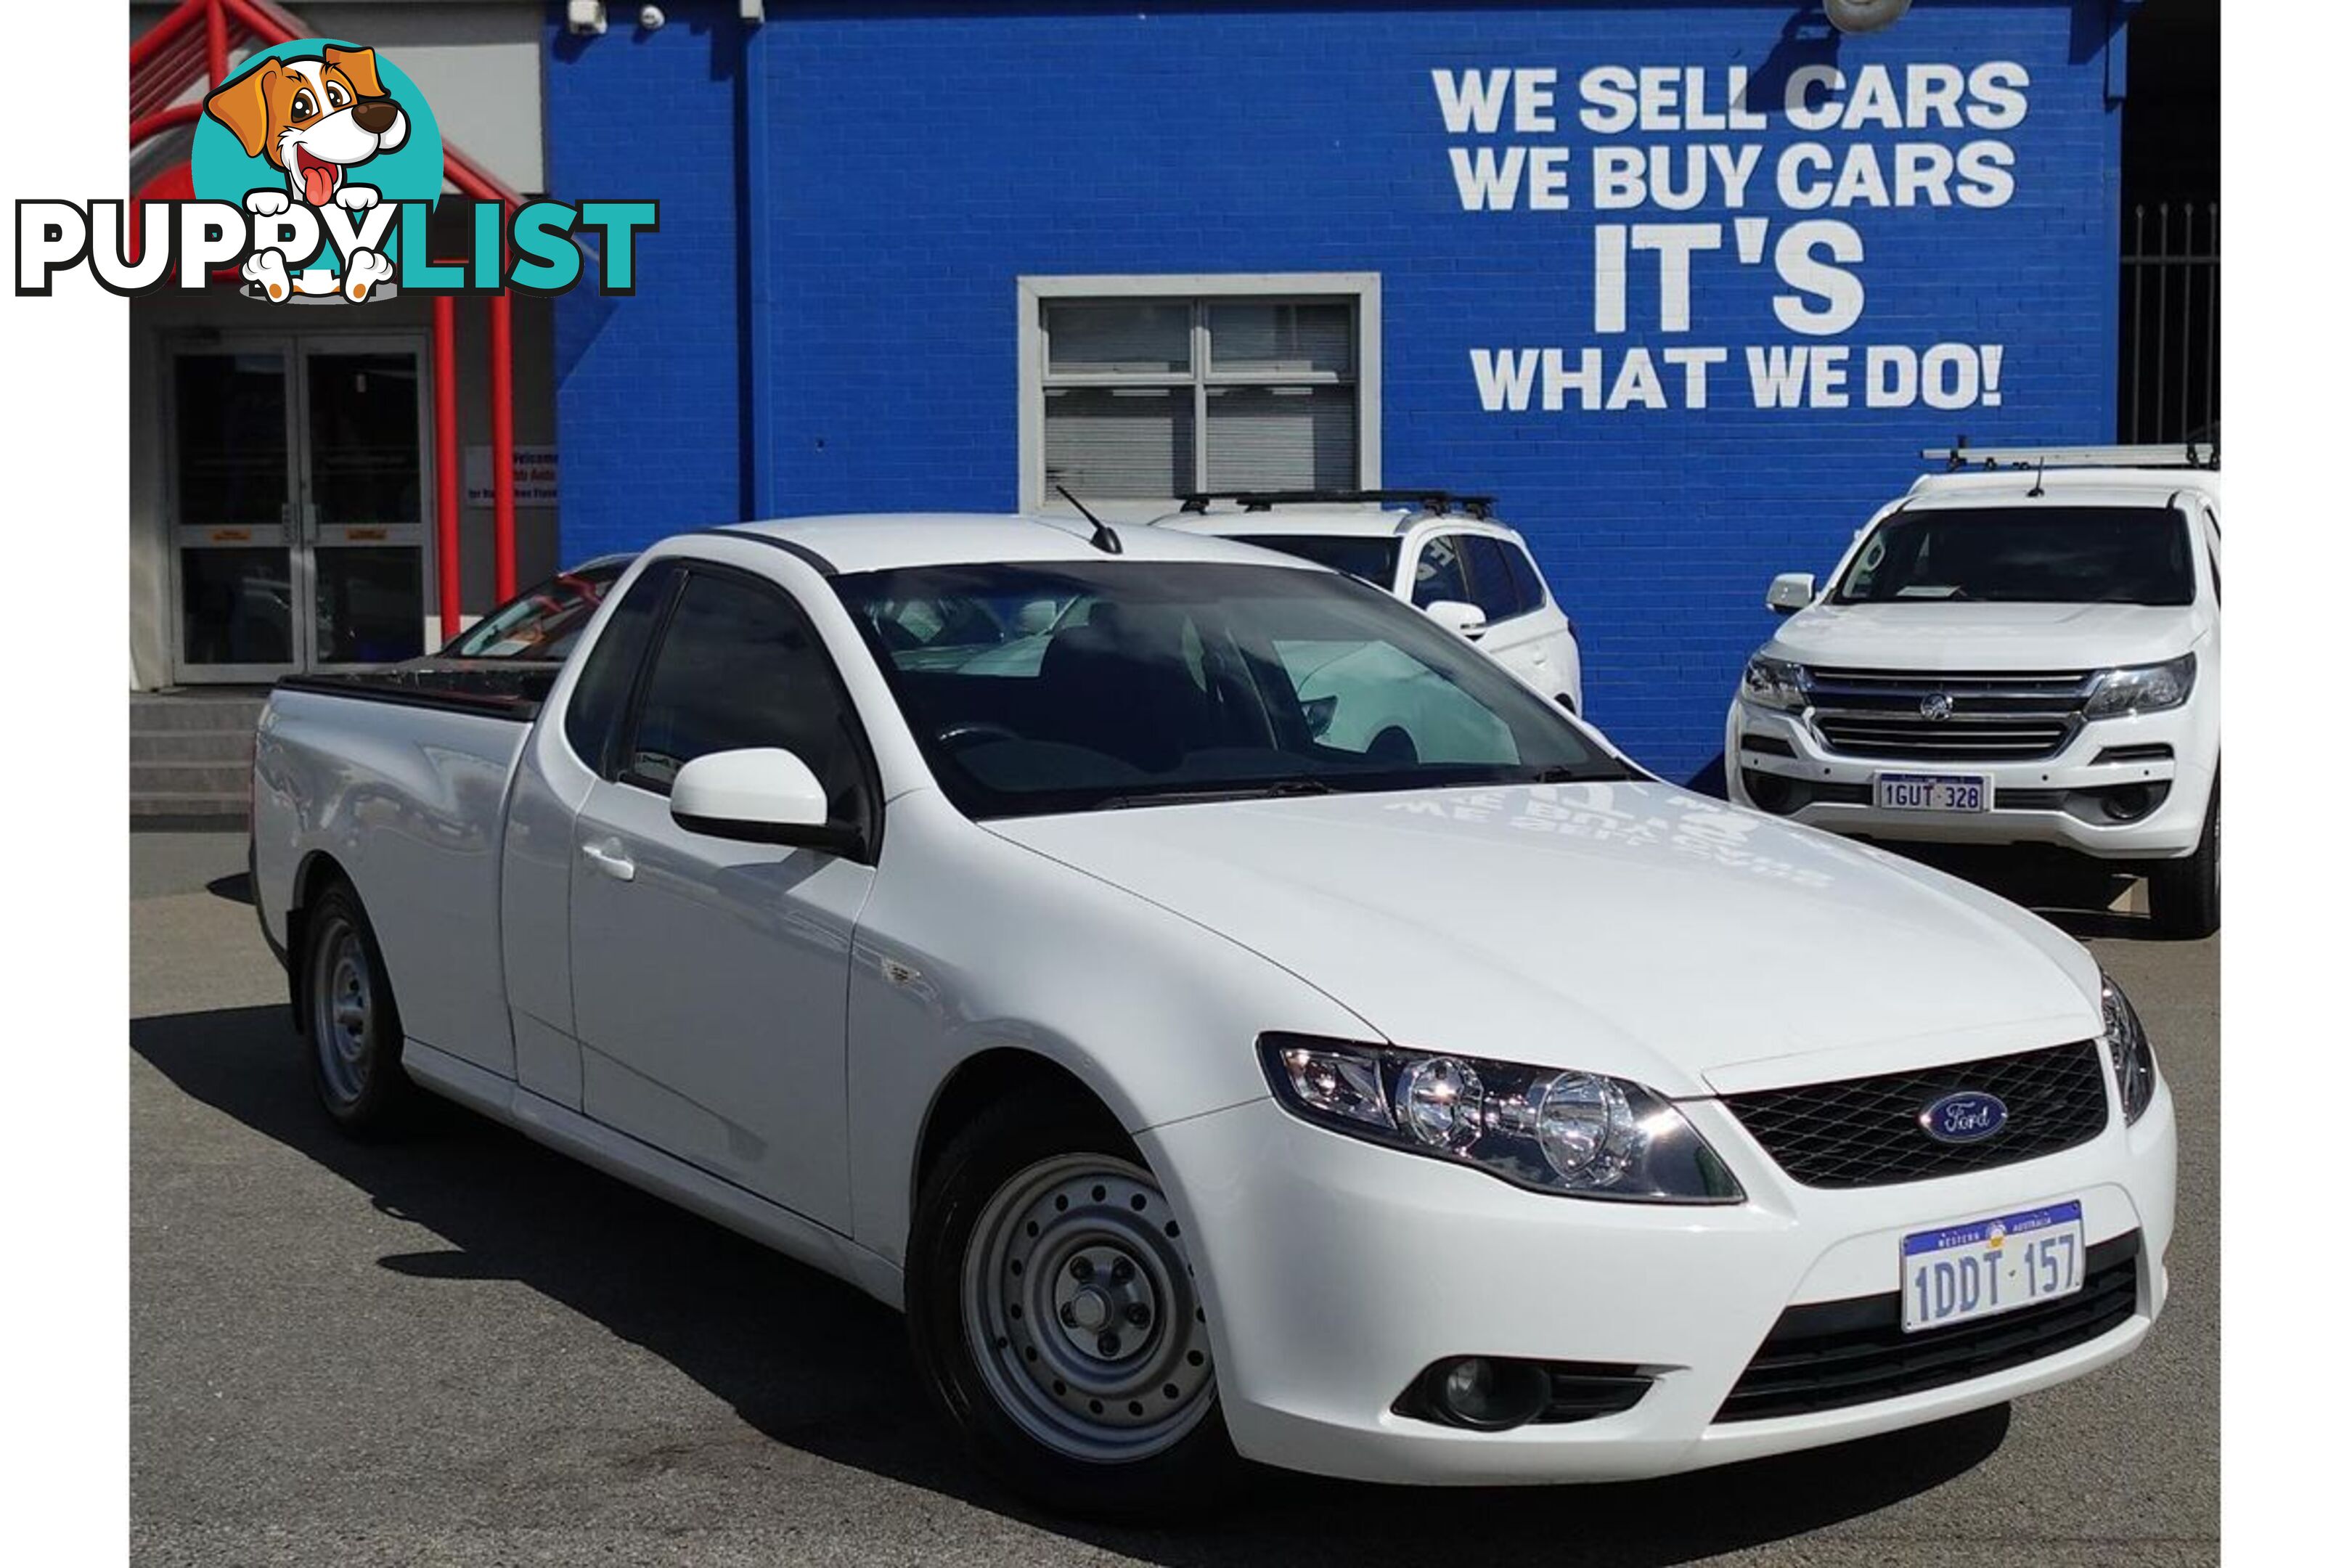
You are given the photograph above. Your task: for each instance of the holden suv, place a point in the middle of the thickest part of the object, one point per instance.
(2022, 655)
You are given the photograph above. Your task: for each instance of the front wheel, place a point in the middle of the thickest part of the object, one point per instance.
(2185, 896)
(1057, 1320)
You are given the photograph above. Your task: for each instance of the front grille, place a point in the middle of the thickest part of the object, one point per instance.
(1865, 1132)
(1831, 1354)
(1993, 717)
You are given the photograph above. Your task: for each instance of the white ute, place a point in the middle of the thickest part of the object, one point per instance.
(1444, 554)
(972, 909)
(2031, 655)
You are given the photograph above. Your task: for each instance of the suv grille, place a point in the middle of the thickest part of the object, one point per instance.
(1996, 717)
(1865, 1132)
(1831, 1354)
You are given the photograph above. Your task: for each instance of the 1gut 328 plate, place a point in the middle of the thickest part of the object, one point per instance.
(1931, 791)
(1968, 1271)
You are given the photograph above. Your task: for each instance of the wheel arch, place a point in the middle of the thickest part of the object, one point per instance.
(985, 1078)
(318, 870)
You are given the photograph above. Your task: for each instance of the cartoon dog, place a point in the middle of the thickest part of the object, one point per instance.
(314, 117)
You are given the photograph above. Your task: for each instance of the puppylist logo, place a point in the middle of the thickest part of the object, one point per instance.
(316, 168)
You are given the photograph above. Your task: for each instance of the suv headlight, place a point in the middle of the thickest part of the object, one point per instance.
(2142, 689)
(1572, 1132)
(2127, 1047)
(1777, 683)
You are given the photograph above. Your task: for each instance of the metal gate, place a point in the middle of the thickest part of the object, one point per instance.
(2169, 381)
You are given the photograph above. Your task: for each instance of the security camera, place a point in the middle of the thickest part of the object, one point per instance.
(1865, 16)
(650, 18)
(584, 18)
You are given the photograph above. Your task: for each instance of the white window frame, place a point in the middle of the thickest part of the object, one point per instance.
(1363, 289)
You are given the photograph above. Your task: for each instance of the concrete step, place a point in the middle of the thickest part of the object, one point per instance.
(227, 779)
(155, 712)
(156, 809)
(190, 746)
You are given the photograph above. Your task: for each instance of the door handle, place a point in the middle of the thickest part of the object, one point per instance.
(612, 859)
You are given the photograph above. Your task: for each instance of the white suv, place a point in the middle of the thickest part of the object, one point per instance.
(1443, 553)
(2015, 656)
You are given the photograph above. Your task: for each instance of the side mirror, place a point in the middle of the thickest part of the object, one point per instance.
(762, 794)
(1790, 592)
(1463, 620)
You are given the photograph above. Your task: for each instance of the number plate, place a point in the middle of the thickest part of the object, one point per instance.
(1932, 791)
(1968, 1271)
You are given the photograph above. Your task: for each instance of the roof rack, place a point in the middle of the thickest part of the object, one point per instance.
(1440, 502)
(2187, 455)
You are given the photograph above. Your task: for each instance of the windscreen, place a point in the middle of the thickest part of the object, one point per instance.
(1088, 686)
(2054, 556)
(1372, 561)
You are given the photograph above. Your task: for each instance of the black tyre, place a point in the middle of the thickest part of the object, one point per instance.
(1055, 1320)
(353, 1022)
(2185, 896)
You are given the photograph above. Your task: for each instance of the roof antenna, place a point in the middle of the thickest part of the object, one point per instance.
(1103, 539)
(2039, 469)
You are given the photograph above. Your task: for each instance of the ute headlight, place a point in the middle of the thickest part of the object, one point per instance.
(2142, 689)
(1777, 683)
(2127, 1047)
(1572, 1132)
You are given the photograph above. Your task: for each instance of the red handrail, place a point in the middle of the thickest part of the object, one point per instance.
(163, 119)
(143, 47)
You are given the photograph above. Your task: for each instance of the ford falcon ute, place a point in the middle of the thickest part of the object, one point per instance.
(1389, 1081)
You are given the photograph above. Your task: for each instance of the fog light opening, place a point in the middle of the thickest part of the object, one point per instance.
(1770, 792)
(1486, 1394)
(2128, 804)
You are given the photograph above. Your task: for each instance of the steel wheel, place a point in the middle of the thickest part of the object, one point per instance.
(343, 1007)
(1081, 1314)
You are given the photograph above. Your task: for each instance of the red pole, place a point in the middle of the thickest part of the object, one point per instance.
(216, 41)
(445, 458)
(502, 440)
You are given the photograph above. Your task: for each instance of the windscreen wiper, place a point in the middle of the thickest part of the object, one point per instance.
(1578, 772)
(1274, 790)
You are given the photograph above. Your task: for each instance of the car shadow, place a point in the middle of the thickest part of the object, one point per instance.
(812, 1364)
(2075, 895)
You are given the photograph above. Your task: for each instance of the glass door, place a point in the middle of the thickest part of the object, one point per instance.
(363, 485)
(232, 503)
(297, 493)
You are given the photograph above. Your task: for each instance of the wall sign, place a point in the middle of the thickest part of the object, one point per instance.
(534, 477)
(1795, 166)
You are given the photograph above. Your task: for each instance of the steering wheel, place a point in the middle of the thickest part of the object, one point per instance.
(964, 733)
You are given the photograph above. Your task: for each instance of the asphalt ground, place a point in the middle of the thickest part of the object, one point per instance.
(460, 1348)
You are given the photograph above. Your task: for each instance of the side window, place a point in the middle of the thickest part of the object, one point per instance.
(1438, 574)
(1524, 575)
(739, 667)
(603, 691)
(1494, 589)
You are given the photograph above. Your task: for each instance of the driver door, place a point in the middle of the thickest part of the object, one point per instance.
(710, 977)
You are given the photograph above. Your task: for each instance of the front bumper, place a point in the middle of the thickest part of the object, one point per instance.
(1336, 1270)
(1776, 762)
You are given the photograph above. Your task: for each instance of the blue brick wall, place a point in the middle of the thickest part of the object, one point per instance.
(905, 164)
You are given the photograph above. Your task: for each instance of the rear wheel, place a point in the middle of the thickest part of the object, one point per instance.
(1057, 1320)
(2185, 896)
(354, 1025)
